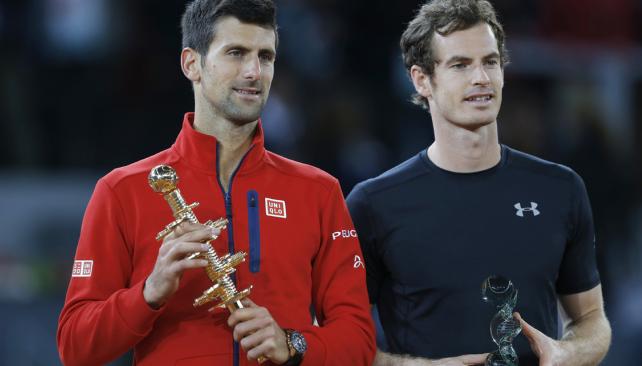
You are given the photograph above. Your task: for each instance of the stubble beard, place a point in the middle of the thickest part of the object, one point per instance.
(237, 113)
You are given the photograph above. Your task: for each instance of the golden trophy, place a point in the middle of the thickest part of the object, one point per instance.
(163, 180)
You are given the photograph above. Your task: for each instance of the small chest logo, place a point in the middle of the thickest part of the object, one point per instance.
(275, 208)
(532, 209)
(82, 268)
(357, 262)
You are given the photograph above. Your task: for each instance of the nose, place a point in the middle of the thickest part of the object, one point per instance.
(252, 68)
(480, 76)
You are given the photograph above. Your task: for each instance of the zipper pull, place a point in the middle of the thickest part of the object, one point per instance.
(228, 206)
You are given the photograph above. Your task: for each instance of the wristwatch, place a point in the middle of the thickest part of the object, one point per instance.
(296, 345)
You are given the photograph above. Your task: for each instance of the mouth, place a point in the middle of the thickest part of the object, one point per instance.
(479, 98)
(247, 92)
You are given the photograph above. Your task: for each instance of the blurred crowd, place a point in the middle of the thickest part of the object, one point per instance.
(89, 85)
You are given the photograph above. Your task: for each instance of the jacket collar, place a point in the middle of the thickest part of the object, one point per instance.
(199, 150)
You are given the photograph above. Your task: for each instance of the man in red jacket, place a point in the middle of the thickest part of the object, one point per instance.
(129, 291)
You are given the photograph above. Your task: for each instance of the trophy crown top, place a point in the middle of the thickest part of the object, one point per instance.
(163, 179)
(499, 291)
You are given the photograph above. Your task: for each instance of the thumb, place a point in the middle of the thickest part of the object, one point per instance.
(533, 335)
(247, 302)
(529, 331)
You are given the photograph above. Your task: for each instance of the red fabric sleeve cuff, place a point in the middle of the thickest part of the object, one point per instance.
(134, 310)
(316, 352)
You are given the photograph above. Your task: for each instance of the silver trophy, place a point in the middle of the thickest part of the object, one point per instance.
(500, 292)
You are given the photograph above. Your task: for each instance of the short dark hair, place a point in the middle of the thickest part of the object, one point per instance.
(445, 17)
(198, 23)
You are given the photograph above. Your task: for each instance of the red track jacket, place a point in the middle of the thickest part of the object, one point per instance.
(292, 220)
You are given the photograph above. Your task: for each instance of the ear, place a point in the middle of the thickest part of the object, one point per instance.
(191, 64)
(421, 81)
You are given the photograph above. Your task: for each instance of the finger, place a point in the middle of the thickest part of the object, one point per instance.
(244, 329)
(199, 236)
(187, 227)
(202, 234)
(169, 248)
(248, 303)
(182, 265)
(182, 228)
(533, 335)
(265, 349)
(528, 330)
(253, 339)
(265, 344)
(474, 359)
(245, 314)
(172, 233)
(183, 249)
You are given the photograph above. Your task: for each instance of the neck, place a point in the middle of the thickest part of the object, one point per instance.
(233, 141)
(462, 150)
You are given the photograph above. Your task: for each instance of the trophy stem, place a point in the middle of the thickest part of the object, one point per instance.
(216, 268)
(178, 204)
(234, 306)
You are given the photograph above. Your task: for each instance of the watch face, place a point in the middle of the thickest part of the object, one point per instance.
(298, 342)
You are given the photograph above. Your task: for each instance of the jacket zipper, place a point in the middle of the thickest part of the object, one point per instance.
(227, 196)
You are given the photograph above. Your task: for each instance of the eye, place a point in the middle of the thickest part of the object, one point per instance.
(267, 57)
(492, 62)
(234, 53)
(458, 66)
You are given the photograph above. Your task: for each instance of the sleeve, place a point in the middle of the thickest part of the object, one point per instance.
(578, 270)
(361, 215)
(346, 332)
(103, 316)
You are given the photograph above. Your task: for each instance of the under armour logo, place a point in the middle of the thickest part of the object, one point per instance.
(520, 210)
(357, 262)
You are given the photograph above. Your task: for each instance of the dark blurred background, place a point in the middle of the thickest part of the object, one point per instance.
(89, 85)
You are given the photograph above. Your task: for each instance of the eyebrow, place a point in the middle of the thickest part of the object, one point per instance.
(237, 46)
(457, 58)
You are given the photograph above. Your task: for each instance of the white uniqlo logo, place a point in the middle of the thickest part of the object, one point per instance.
(82, 268)
(275, 208)
(521, 210)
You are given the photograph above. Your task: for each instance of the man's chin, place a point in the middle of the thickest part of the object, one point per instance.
(243, 119)
(242, 116)
(477, 123)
